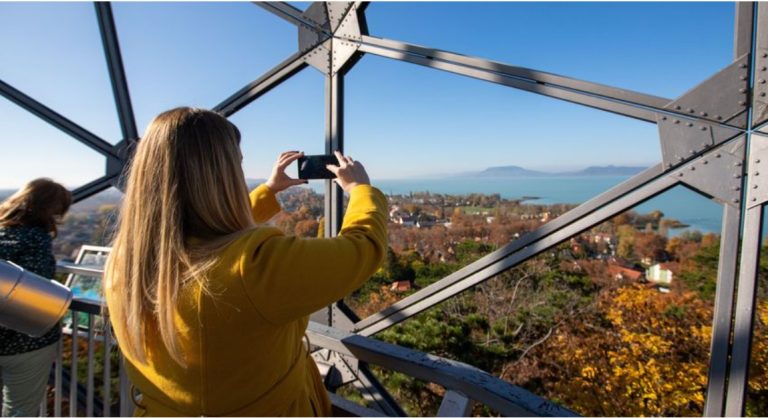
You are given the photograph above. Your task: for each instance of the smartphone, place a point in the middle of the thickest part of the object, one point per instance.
(313, 167)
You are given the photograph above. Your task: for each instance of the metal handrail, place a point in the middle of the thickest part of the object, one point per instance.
(463, 383)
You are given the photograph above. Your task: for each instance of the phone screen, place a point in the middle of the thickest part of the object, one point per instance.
(312, 167)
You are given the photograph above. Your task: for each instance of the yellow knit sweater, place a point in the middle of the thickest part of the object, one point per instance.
(244, 338)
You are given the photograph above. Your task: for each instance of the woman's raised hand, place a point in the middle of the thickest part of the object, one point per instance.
(349, 173)
(278, 180)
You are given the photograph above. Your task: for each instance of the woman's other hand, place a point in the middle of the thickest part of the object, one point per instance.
(278, 180)
(349, 173)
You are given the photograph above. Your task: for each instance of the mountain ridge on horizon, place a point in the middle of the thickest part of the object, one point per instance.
(517, 171)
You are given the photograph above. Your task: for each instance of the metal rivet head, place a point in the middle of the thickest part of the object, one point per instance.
(705, 162)
(737, 188)
(691, 151)
(764, 69)
(680, 174)
(693, 168)
(765, 54)
(691, 110)
(679, 159)
(717, 155)
(742, 78)
(755, 186)
(678, 107)
(718, 117)
(703, 113)
(663, 118)
(754, 199)
(689, 124)
(703, 128)
(677, 121)
(743, 65)
(762, 81)
(762, 94)
(757, 161)
(757, 173)
(737, 164)
(737, 176)
(742, 90)
(735, 201)
(742, 103)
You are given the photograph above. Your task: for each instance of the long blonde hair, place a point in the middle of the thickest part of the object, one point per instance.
(41, 202)
(185, 199)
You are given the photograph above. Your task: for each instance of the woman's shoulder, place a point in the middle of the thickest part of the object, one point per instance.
(25, 231)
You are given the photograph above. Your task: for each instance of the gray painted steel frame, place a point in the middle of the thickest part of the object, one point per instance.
(727, 132)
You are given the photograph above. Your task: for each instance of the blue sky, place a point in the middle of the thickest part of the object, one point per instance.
(401, 120)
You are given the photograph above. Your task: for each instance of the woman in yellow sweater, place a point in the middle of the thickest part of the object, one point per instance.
(210, 309)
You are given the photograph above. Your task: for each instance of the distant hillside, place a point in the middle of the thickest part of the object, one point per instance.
(511, 171)
(508, 171)
(609, 170)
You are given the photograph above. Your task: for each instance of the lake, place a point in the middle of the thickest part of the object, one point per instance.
(678, 203)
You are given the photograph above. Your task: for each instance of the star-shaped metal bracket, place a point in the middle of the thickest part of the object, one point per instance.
(330, 36)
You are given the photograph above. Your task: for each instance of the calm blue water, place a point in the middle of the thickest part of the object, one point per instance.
(678, 203)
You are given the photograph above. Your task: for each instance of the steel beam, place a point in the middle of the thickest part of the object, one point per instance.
(398, 314)
(48, 115)
(525, 240)
(262, 85)
(90, 189)
(528, 74)
(334, 141)
(743, 28)
(760, 73)
(116, 71)
(283, 10)
(573, 96)
(723, 309)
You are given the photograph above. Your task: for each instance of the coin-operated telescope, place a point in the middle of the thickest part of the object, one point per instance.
(29, 303)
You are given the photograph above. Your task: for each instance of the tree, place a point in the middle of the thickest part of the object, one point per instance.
(307, 228)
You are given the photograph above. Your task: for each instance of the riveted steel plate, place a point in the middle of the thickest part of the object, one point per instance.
(311, 36)
(682, 139)
(717, 173)
(337, 10)
(757, 179)
(721, 98)
(760, 97)
(320, 57)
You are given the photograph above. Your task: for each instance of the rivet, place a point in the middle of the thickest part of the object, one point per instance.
(742, 103)
(737, 188)
(737, 164)
(718, 117)
(689, 124)
(737, 176)
(677, 107)
(690, 110)
(703, 113)
(677, 121)
(762, 94)
(765, 54)
(742, 90)
(743, 77)
(680, 174)
(663, 118)
(703, 128)
(693, 168)
(757, 161)
(679, 159)
(705, 145)
(757, 173)
(754, 199)
(762, 81)
(717, 155)
(755, 186)
(705, 162)
(735, 200)
(764, 69)
(692, 151)
(743, 65)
